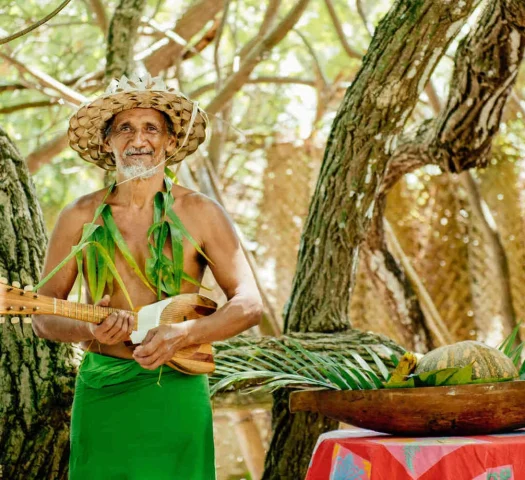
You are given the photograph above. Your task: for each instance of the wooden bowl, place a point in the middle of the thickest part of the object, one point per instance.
(456, 410)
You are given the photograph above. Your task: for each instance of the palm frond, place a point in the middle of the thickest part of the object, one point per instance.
(293, 366)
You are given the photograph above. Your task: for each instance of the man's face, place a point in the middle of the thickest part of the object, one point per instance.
(139, 139)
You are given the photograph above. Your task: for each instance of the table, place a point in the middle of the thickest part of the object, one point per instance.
(360, 454)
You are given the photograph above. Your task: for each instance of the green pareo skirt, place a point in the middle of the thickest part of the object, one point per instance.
(125, 426)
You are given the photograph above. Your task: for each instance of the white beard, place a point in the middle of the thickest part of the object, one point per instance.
(138, 171)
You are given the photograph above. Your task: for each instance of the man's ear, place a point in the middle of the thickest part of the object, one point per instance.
(171, 144)
(106, 147)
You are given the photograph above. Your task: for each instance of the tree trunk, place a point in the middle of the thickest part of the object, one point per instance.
(36, 376)
(406, 47)
(121, 38)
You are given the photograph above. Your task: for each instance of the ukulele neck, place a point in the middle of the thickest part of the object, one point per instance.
(82, 311)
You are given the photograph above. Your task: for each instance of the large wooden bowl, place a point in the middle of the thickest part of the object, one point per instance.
(456, 410)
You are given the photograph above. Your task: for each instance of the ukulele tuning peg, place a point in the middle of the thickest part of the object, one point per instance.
(28, 288)
(26, 320)
(3, 280)
(15, 319)
(2, 320)
(16, 284)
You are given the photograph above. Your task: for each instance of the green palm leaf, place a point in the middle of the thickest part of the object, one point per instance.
(293, 366)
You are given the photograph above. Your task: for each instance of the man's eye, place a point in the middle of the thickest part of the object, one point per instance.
(125, 128)
(152, 128)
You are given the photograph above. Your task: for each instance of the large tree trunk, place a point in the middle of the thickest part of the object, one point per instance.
(406, 47)
(36, 376)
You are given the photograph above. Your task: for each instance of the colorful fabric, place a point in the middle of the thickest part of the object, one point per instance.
(364, 455)
(125, 426)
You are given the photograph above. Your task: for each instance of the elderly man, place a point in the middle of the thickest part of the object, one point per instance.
(126, 424)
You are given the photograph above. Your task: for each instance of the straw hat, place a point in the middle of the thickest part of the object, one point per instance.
(87, 125)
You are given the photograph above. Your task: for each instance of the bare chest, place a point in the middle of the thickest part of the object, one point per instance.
(142, 245)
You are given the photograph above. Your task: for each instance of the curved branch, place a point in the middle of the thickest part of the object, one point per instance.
(340, 32)
(35, 25)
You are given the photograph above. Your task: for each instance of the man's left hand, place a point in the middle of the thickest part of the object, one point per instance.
(160, 345)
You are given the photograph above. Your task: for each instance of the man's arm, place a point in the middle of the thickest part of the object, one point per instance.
(233, 274)
(67, 233)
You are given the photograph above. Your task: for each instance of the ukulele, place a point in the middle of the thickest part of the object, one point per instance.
(194, 359)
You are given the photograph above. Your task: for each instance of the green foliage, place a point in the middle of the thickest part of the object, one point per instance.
(436, 378)
(293, 366)
(514, 353)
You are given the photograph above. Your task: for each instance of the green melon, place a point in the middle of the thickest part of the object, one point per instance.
(487, 362)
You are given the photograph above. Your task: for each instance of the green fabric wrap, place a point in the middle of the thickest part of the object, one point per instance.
(125, 426)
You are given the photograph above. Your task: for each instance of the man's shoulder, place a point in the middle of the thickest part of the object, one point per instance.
(195, 202)
(83, 208)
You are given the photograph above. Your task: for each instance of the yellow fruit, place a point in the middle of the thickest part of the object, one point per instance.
(407, 364)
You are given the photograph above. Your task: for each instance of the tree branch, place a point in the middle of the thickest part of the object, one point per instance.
(46, 152)
(361, 12)
(340, 32)
(191, 22)
(45, 80)
(270, 17)
(280, 80)
(486, 67)
(100, 14)
(35, 25)
(239, 78)
(23, 106)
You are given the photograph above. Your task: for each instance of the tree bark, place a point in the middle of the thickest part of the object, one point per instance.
(36, 376)
(460, 137)
(121, 38)
(406, 47)
(395, 287)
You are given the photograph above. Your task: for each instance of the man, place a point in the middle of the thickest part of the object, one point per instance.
(124, 424)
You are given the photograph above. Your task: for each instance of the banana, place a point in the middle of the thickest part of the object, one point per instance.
(407, 364)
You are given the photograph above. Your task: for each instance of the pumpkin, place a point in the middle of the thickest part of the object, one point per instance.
(487, 362)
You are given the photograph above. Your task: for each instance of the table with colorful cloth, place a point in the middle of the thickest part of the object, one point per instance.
(360, 454)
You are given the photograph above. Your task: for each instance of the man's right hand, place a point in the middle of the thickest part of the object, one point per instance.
(115, 328)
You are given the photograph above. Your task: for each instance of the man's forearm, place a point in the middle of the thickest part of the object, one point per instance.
(237, 315)
(61, 329)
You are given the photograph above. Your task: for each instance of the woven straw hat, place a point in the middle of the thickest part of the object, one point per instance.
(86, 126)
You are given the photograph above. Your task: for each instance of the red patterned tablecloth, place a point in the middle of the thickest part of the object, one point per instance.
(363, 455)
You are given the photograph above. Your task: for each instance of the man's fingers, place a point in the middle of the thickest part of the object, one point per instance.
(117, 324)
(152, 361)
(151, 347)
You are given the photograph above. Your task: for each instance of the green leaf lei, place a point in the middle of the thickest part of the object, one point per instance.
(162, 274)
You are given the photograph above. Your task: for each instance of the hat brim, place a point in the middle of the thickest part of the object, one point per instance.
(86, 126)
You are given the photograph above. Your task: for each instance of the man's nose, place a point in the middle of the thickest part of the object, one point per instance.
(139, 139)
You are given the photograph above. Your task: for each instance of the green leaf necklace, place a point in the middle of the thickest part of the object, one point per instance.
(162, 274)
